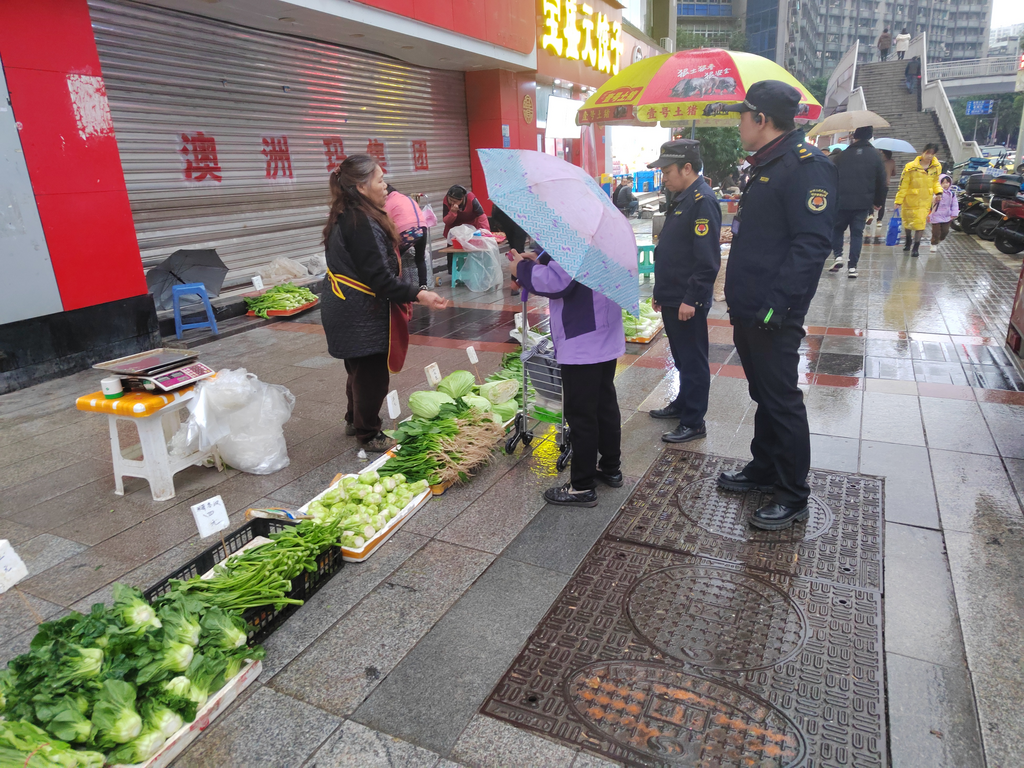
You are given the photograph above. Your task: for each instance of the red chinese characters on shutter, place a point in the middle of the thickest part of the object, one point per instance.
(199, 151)
(419, 156)
(334, 151)
(278, 156)
(378, 151)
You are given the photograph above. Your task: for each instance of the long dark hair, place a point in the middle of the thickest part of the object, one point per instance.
(345, 195)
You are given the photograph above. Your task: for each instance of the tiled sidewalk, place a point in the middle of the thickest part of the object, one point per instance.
(389, 664)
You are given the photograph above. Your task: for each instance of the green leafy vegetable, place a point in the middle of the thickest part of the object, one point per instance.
(136, 613)
(23, 745)
(500, 391)
(280, 297)
(114, 714)
(427, 405)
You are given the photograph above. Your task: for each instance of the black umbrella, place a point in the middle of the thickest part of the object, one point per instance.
(202, 265)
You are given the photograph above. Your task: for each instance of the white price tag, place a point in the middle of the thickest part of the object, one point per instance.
(433, 374)
(394, 407)
(12, 569)
(257, 283)
(473, 359)
(211, 516)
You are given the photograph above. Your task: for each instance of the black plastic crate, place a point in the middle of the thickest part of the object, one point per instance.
(264, 620)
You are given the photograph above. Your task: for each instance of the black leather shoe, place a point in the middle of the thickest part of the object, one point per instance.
(611, 479)
(668, 412)
(683, 434)
(566, 496)
(775, 517)
(737, 481)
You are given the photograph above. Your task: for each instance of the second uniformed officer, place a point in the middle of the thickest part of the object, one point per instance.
(686, 263)
(779, 247)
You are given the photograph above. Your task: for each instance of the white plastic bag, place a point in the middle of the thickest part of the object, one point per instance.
(281, 270)
(317, 265)
(429, 217)
(242, 418)
(481, 267)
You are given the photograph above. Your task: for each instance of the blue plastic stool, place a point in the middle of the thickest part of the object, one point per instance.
(192, 289)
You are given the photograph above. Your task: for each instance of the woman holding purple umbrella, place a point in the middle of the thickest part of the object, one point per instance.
(587, 331)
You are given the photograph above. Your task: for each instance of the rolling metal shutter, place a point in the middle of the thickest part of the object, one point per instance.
(227, 134)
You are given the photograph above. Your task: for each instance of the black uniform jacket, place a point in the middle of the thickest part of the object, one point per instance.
(687, 258)
(862, 179)
(785, 231)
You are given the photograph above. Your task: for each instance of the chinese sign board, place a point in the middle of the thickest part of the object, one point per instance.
(12, 568)
(980, 107)
(573, 30)
(211, 516)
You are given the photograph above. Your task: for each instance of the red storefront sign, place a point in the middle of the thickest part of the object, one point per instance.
(334, 152)
(378, 150)
(419, 156)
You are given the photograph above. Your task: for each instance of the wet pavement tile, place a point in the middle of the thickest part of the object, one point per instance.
(940, 373)
(834, 411)
(987, 573)
(955, 425)
(838, 453)
(900, 369)
(267, 729)
(432, 695)
(1005, 422)
(488, 743)
(840, 364)
(909, 491)
(339, 671)
(354, 745)
(931, 718)
(921, 618)
(1002, 721)
(892, 419)
(994, 377)
(843, 345)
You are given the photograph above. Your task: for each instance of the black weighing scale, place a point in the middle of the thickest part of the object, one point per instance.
(159, 370)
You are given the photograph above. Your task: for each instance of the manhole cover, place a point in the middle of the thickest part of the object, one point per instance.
(684, 640)
(678, 718)
(716, 618)
(679, 506)
(726, 514)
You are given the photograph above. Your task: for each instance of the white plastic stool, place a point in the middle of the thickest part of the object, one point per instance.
(156, 418)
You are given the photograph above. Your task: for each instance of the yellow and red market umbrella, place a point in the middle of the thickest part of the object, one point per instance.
(686, 87)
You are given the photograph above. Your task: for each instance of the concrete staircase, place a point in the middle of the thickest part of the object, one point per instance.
(886, 94)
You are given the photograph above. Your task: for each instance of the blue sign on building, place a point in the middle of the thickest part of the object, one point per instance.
(980, 107)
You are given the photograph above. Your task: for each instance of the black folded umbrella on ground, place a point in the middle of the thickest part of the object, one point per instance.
(201, 265)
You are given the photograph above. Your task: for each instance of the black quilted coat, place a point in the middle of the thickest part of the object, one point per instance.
(357, 326)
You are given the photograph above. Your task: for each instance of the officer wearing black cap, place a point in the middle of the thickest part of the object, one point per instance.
(782, 236)
(686, 263)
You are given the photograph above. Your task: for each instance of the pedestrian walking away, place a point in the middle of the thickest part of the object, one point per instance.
(944, 210)
(890, 172)
(884, 44)
(902, 43)
(782, 236)
(861, 190)
(912, 74)
(365, 309)
(686, 262)
(412, 229)
(586, 328)
(919, 189)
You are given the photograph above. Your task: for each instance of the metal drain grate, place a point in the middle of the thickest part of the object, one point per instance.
(656, 656)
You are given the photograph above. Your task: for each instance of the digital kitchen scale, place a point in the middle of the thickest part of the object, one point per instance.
(158, 370)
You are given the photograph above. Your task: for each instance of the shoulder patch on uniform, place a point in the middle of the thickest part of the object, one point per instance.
(817, 200)
(805, 154)
(763, 180)
(701, 227)
(698, 196)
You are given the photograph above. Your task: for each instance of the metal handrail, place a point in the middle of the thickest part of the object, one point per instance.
(952, 70)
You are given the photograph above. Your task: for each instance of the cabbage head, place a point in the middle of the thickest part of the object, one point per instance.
(506, 410)
(500, 391)
(457, 384)
(426, 405)
(475, 401)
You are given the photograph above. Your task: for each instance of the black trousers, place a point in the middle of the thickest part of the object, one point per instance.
(595, 426)
(420, 249)
(782, 442)
(366, 389)
(689, 344)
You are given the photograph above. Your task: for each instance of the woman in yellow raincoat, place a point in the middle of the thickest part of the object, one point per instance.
(919, 185)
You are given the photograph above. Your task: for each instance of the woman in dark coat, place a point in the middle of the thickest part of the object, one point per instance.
(363, 293)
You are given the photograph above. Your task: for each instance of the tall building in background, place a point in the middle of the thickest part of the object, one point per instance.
(1005, 41)
(717, 20)
(809, 37)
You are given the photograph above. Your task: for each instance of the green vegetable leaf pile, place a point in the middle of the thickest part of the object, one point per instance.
(278, 298)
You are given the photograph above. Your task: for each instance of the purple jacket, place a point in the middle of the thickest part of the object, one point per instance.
(948, 208)
(586, 326)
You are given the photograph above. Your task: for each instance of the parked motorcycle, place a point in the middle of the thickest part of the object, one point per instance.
(985, 196)
(1009, 235)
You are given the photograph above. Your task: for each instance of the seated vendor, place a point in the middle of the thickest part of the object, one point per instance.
(462, 207)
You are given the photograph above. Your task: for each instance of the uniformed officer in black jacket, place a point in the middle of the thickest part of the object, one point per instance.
(686, 263)
(782, 236)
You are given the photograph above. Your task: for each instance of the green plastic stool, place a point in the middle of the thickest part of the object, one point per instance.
(645, 260)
